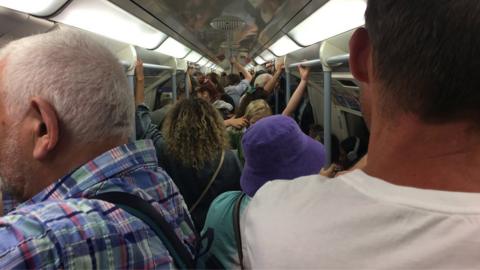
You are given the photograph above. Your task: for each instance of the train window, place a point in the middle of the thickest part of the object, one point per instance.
(356, 126)
(348, 83)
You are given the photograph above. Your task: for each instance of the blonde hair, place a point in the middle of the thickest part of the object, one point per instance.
(194, 132)
(257, 110)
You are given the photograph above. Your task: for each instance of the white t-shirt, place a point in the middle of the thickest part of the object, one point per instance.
(360, 222)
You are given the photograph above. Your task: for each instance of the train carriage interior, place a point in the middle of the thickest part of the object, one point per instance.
(167, 39)
(226, 98)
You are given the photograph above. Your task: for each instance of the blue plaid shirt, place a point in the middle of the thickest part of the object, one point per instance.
(61, 228)
(9, 203)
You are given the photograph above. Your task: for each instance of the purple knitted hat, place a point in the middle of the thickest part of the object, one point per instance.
(276, 148)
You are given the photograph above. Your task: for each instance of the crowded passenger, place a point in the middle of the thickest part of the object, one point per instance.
(235, 87)
(215, 79)
(64, 143)
(416, 203)
(193, 148)
(256, 110)
(275, 148)
(299, 92)
(263, 87)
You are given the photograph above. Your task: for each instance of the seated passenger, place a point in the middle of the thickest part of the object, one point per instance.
(416, 202)
(193, 149)
(352, 149)
(66, 115)
(275, 148)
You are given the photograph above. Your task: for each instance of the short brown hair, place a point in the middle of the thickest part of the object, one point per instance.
(426, 55)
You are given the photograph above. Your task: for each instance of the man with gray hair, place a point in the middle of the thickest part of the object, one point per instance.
(66, 113)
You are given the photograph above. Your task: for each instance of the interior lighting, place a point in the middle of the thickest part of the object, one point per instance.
(193, 57)
(173, 48)
(284, 46)
(259, 60)
(106, 19)
(333, 18)
(40, 8)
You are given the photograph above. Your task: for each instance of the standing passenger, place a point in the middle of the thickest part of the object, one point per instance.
(193, 149)
(416, 203)
(274, 147)
(65, 117)
(235, 87)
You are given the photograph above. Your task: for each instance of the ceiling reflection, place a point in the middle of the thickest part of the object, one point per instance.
(192, 20)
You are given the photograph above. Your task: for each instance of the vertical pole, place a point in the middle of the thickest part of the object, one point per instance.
(131, 84)
(287, 87)
(276, 101)
(187, 87)
(327, 114)
(174, 86)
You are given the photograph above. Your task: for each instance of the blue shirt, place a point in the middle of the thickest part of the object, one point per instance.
(220, 219)
(236, 91)
(61, 228)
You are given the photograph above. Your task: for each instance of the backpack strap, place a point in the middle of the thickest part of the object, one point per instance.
(236, 228)
(144, 211)
(204, 192)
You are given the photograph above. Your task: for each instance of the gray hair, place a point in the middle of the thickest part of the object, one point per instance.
(80, 78)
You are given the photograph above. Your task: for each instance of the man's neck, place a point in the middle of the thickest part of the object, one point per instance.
(408, 152)
(67, 158)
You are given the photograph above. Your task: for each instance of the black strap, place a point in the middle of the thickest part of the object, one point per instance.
(236, 228)
(144, 211)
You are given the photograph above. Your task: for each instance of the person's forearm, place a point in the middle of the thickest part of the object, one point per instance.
(139, 92)
(245, 73)
(296, 98)
(271, 83)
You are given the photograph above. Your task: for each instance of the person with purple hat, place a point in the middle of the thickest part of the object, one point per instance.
(274, 148)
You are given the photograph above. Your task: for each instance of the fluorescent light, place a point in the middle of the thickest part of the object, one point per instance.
(267, 55)
(105, 18)
(202, 62)
(173, 48)
(36, 7)
(193, 57)
(259, 60)
(333, 18)
(284, 46)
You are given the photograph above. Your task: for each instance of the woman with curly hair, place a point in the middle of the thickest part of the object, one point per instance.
(193, 150)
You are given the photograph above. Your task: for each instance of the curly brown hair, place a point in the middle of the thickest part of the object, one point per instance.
(194, 133)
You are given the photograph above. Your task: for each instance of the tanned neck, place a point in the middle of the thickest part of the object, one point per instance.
(408, 152)
(66, 159)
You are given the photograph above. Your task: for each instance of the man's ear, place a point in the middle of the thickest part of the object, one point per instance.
(360, 53)
(46, 129)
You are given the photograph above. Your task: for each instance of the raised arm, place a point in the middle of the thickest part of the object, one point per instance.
(189, 79)
(296, 98)
(242, 70)
(270, 85)
(139, 83)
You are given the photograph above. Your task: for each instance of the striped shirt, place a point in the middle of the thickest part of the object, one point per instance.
(61, 228)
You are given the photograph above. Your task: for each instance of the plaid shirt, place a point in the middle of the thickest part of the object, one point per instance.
(9, 203)
(61, 228)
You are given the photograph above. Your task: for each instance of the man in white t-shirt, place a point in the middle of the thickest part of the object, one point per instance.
(416, 204)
